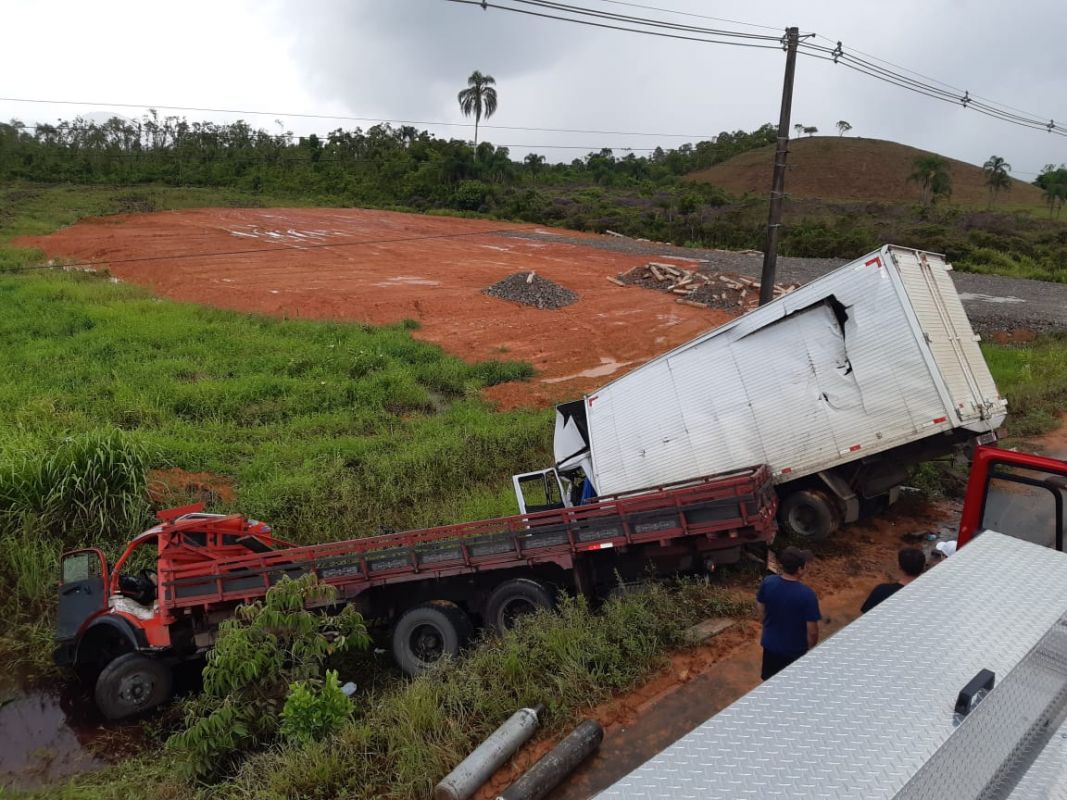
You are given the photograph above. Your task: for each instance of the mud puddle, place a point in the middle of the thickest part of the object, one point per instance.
(51, 733)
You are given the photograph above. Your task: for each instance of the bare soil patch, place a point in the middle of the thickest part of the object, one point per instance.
(383, 267)
(853, 168)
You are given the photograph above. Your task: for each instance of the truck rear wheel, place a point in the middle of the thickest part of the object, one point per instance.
(516, 598)
(809, 514)
(131, 685)
(425, 634)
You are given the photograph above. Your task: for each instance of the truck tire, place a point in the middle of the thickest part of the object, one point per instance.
(809, 514)
(515, 598)
(425, 634)
(131, 685)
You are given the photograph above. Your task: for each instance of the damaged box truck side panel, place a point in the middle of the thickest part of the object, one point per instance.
(875, 355)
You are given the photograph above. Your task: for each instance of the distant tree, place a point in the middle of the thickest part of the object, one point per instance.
(996, 176)
(811, 131)
(799, 129)
(1053, 183)
(843, 127)
(534, 162)
(479, 98)
(931, 173)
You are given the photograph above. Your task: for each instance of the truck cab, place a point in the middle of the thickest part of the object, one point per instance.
(112, 624)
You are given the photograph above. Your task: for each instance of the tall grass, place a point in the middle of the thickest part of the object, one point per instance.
(87, 486)
(1034, 379)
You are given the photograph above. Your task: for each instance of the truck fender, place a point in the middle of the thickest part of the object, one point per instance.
(107, 637)
(850, 503)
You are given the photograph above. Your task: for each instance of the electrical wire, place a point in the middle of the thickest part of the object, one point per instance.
(300, 115)
(592, 12)
(483, 4)
(690, 14)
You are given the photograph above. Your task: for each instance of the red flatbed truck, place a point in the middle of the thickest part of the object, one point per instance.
(161, 602)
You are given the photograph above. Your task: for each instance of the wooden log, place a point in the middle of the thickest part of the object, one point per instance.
(615, 280)
(530, 277)
(694, 303)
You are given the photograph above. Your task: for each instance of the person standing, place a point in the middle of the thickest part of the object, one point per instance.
(790, 613)
(911, 562)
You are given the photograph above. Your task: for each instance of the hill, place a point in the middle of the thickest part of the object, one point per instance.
(839, 168)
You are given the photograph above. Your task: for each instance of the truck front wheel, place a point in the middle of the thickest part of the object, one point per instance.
(131, 685)
(516, 598)
(425, 634)
(809, 514)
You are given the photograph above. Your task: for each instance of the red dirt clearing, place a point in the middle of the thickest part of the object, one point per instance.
(382, 267)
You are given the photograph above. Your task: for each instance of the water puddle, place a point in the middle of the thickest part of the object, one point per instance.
(51, 733)
(607, 367)
(43, 740)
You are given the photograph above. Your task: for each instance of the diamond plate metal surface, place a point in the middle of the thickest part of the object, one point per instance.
(860, 715)
(1047, 777)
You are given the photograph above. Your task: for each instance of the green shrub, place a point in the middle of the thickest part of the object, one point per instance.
(262, 654)
(315, 709)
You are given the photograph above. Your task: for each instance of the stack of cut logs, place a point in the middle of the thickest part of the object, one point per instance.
(724, 290)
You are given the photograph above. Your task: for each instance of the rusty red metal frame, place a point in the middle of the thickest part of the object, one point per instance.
(753, 520)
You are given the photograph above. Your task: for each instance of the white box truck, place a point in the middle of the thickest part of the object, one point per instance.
(842, 387)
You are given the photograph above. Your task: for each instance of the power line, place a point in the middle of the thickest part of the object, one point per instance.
(300, 115)
(690, 14)
(247, 251)
(839, 56)
(554, 5)
(591, 23)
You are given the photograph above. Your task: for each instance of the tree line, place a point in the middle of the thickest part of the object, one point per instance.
(380, 165)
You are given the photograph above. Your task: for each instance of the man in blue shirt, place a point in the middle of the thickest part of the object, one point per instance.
(790, 612)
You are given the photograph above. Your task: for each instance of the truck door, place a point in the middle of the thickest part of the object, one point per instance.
(538, 491)
(82, 590)
(1016, 494)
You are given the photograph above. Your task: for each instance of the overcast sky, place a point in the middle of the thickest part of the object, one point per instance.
(406, 59)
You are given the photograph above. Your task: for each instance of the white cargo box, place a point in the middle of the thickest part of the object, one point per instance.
(872, 356)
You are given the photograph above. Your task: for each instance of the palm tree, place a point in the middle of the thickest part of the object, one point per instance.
(931, 173)
(479, 98)
(996, 176)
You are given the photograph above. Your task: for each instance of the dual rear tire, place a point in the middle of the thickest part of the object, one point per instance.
(430, 632)
(809, 514)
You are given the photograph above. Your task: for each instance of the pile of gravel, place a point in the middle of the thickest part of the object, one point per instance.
(535, 291)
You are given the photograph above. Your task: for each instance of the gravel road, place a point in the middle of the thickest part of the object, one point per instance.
(993, 302)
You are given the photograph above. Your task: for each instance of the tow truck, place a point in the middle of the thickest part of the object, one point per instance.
(125, 626)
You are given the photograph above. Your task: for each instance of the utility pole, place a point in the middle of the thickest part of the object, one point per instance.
(774, 220)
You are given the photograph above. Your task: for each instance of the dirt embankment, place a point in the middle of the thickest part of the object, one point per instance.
(384, 267)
